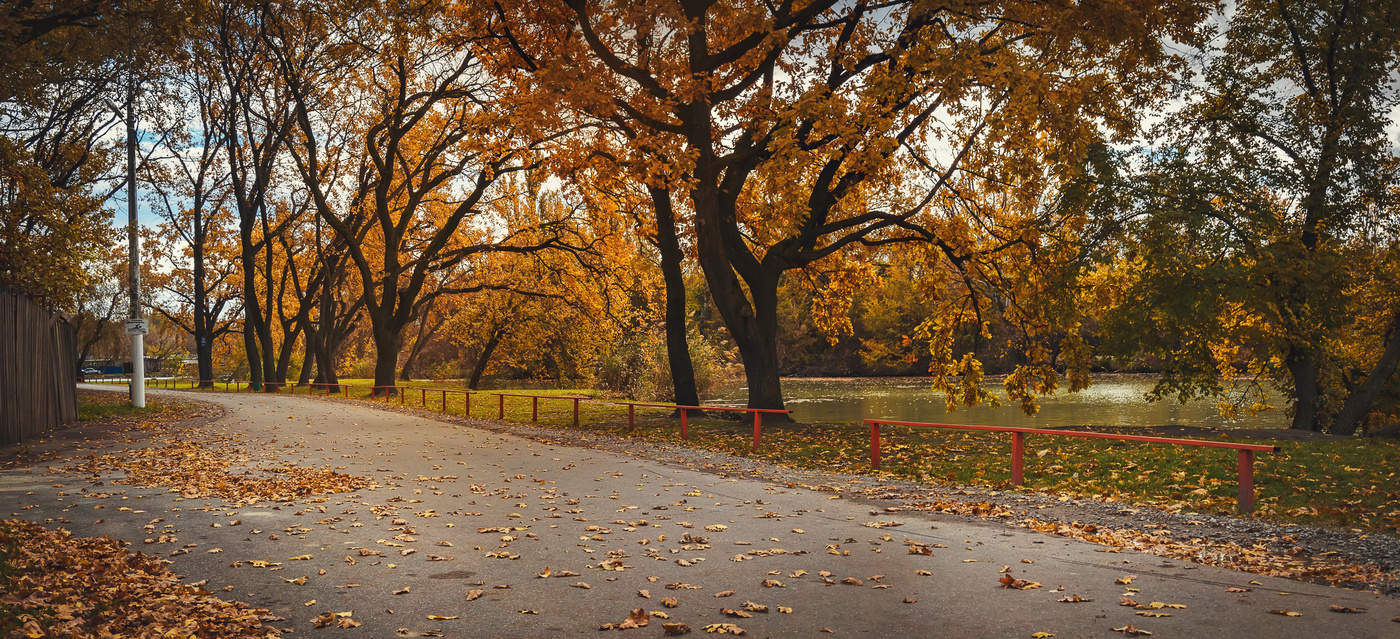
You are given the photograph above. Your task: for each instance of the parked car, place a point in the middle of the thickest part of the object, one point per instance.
(90, 371)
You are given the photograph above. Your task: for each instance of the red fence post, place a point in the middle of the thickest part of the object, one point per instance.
(684, 435)
(444, 401)
(1245, 466)
(502, 412)
(1018, 449)
(875, 444)
(575, 412)
(534, 409)
(757, 426)
(424, 399)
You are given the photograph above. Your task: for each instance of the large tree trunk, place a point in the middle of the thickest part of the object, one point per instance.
(253, 324)
(203, 331)
(250, 346)
(387, 342)
(753, 325)
(272, 371)
(284, 355)
(761, 355)
(1363, 397)
(1307, 398)
(308, 359)
(677, 345)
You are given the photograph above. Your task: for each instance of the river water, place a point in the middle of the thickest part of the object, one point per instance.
(1112, 400)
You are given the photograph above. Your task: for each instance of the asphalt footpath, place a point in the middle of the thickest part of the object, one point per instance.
(472, 533)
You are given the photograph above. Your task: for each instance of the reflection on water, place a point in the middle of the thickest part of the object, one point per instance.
(1112, 400)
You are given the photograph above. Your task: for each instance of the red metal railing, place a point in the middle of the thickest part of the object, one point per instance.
(1244, 466)
(330, 388)
(757, 415)
(535, 404)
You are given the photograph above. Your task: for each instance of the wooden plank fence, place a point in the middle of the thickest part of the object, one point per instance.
(38, 369)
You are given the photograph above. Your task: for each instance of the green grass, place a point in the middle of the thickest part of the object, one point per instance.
(1350, 483)
(98, 406)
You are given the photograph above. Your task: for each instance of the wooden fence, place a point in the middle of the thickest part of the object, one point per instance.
(38, 369)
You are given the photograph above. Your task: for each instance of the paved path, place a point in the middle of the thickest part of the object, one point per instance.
(574, 509)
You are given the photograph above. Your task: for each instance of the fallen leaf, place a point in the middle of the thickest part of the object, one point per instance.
(674, 629)
(442, 617)
(724, 629)
(635, 619)
(1132, 631)
(1287, 613)
(1007, 581)
(1336, 608)
(730, 612)
(1073, 599)
(474, 594)
(669, 602)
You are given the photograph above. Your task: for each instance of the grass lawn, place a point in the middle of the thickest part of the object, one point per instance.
(1348, 483)
(93, 406)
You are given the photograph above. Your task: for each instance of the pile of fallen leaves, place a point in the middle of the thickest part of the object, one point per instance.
(197, 470)
(57, 585)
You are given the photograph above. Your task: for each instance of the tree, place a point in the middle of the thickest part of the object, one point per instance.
(190, 191)
(1266, 227)
(255, 120)
(59, 64)
(804, 125)
(436, 137)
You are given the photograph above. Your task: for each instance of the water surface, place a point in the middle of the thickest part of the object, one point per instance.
(1112, 400)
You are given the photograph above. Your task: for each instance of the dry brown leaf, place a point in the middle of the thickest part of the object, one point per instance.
(1007, 581)
(635, 619)
(474, 594)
